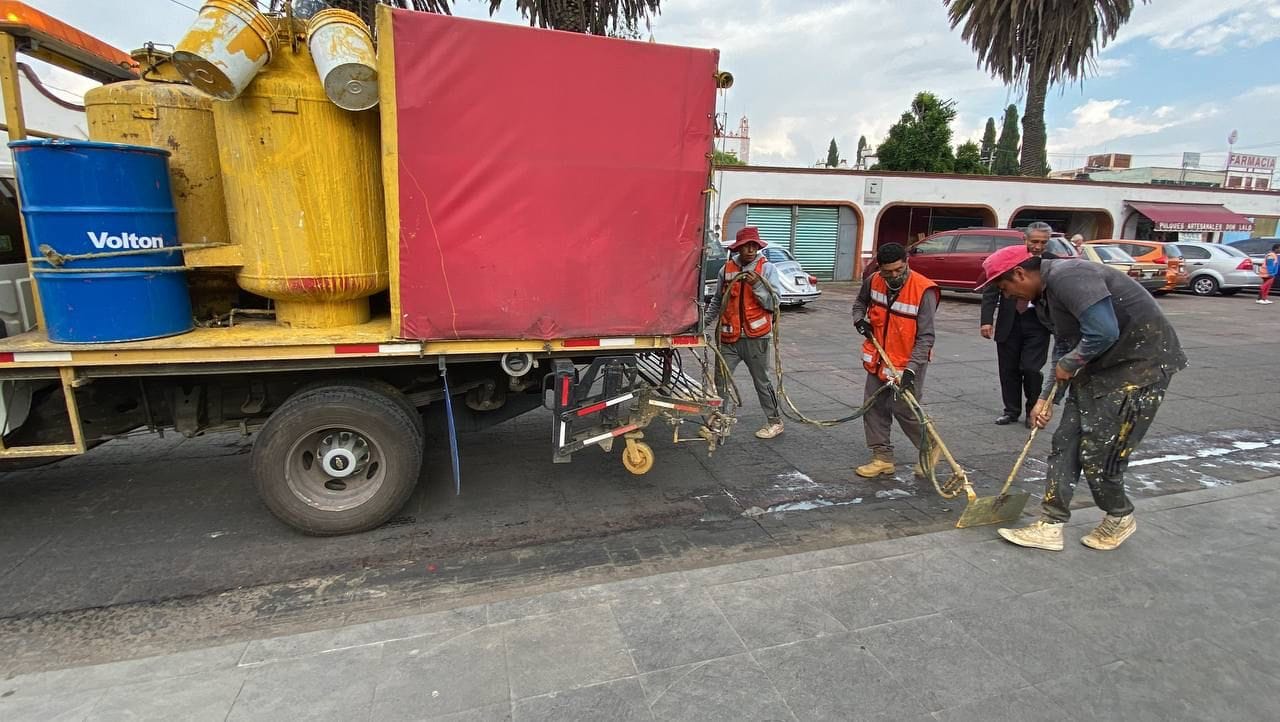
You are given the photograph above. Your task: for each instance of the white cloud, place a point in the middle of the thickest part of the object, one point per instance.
(1098, 122)
(1205, 28)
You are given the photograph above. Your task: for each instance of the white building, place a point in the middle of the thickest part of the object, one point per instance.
(832, 219)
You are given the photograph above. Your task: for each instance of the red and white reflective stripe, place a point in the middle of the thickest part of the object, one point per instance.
(677, 407)
(563, 430)
(685, 340)
(369, 349)
(34, 357)
(612, 434)
(604, 404)
(599, 342)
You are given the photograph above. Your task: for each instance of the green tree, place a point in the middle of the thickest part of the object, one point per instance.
(597, 17)
(988, 142)
(862, 149)
(720, 157)
(833, 155)
(1032, 44)
(969, 159)
(921, 139)
(1006, 160)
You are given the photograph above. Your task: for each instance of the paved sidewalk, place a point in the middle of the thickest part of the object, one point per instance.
(1181, 623)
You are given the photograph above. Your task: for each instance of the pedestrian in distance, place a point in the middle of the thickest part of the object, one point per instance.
(1116, 352)
(1269, 270)
(1077, 242)
(1022, 340)
(896, 306)
(744, 320)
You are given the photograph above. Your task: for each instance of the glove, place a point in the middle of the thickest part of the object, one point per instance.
(907, 382)
(862, 327)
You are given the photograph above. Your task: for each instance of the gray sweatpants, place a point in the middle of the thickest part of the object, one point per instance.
(879, 418)
(1095, 438)
(755, 352)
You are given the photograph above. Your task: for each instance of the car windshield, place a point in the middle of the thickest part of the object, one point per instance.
(1172, 251)
(1233, 251)
(1111, 254)
(777, 255)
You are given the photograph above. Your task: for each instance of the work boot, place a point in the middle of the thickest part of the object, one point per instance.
(880, 465)
(770, 430)
(1111, 533)
(1040, 535)
(934, 455)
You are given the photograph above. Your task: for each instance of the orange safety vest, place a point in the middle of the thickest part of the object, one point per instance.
(895, 326)
(743, 315)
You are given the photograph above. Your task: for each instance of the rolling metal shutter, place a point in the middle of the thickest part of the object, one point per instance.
(774, 223)
(817, 240)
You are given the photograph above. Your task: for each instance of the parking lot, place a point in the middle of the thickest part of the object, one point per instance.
(165, 542)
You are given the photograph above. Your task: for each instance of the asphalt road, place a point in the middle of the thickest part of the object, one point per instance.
(152, 545)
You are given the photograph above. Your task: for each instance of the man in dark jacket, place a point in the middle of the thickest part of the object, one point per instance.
(1115, 351)
(1022, 341)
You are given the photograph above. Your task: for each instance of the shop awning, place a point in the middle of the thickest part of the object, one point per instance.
(1192, 217)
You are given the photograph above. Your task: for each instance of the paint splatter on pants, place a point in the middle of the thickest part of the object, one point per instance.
(755, 352)
(1096, 438)
(878, 420)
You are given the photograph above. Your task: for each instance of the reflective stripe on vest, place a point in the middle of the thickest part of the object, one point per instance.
(742, 313)
(894, 325)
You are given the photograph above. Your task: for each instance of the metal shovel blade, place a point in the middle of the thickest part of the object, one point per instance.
(1000, 509)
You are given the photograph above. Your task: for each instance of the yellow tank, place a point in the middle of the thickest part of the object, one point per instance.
(162, 111)
(303, 184)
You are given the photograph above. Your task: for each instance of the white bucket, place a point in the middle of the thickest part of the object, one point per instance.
(225, 47)
(343, 52)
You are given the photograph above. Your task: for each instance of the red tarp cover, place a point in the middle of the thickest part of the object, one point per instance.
(551, 184)
(1191, 217)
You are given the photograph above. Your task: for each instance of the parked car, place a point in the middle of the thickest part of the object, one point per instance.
(953, 259)
(1256, 248)
(1166, 254)
(1216, 268)
(1150, 275)
(796, 287)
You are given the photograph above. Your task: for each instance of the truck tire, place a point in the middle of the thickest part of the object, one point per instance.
(338, 459)
(377, 386)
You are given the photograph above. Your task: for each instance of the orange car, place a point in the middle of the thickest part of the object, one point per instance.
(1166, 254)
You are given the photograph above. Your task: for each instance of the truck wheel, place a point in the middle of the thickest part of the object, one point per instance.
(377, 386)
(338, 459)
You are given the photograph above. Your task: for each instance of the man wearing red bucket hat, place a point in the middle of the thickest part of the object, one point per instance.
(1116, 351)
(745, 320)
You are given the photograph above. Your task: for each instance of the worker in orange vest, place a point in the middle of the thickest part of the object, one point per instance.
(744, 320)
(896, 306)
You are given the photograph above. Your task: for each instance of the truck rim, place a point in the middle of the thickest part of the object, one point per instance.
(335, 468)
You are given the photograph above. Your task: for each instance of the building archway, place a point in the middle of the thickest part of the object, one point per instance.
(1092, 223)
(907, 223)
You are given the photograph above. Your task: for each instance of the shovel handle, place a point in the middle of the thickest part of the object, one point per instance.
(1017, 465)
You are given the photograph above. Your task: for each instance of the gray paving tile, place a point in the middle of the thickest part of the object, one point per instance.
(1017, 568)
(862, 595)
(621, 700)
(491, 713)
(552, 602)
(324, 687)
(925, 655)
(1005, 630)
(213, 659)
(1213, 683)
(774, 610)
(836, 678)
(426, 627)
(945, 578)
(733, 689)
(460, 673)
(1257, 643)
(1023, 705)
(1116, 691)
(670, 630)
(564, 651)
(69, 706)
(192, 699)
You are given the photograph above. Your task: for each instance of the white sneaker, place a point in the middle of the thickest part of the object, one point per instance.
(1260, 301)
(770, 431)
(1040, 535)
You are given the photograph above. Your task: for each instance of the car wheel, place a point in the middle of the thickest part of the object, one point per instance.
(1229, 291)
(1204, 285)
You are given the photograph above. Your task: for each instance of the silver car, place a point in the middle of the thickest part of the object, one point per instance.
(1215, 268)
(797, 286)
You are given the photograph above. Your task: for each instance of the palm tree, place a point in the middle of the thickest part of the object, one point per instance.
(597, 17)
(1034, 44)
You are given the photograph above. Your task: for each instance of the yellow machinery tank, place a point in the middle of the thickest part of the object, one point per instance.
(303, 184)
(162, 111)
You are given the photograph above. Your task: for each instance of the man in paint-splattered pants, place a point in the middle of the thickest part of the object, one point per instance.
(1116, 352)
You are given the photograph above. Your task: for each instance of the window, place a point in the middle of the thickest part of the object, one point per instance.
(938, 244)
(777, 255)
(1113, 254)
(1171, 250)
(1006, 241)
(974, 244)
(1232, 251)
(1193, 252)
(1261, 184)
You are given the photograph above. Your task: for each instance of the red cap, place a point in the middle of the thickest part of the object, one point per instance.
(750, 234)
(1001, 262)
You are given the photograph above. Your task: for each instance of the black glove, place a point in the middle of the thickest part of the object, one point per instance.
(907, 382)
(862, 327)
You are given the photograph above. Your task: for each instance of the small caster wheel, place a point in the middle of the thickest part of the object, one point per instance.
(637, 457)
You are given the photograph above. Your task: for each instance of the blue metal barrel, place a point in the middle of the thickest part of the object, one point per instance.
(90, 208)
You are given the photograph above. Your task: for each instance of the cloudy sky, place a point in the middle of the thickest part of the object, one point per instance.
(1180, 77)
